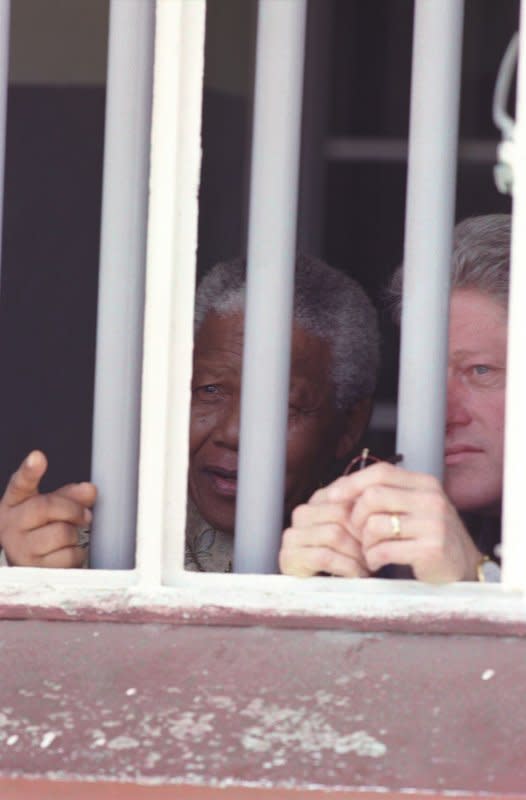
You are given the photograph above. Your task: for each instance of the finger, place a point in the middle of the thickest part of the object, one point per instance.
(428, 563)
(390, 551)
(308, 515)
(47, 508)
(335, 492)
(381, 527)
(388, 500)
(329, 535)
(425, 528)
(66, 558)
(349, 488)
(84, 493)
(25, 481)
(312, 560)
(49, 538)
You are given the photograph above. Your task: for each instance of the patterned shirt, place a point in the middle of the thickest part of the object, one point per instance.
(206, 550)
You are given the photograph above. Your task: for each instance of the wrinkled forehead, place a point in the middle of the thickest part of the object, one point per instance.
(479, 299)
(477, 320)
(219, 335)
(220, 339)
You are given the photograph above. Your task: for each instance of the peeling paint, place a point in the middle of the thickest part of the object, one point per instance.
(323, 697)
(55, 687)
(302, 729)
(151, 759)
(123, 743)
(48, 738)
(190, 727)
(223, 702)
(317, 711)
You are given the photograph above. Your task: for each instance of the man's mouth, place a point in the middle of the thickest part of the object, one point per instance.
(456, 453)
(224, 481)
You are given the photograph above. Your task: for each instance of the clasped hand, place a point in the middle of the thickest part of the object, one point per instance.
(347, 529)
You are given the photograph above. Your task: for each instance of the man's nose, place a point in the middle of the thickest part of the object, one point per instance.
(457, 405)
(227, 430)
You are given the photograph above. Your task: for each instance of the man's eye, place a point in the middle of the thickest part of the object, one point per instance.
(485, 376)
(208, 392)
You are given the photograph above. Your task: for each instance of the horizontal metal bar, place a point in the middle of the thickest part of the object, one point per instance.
(355, 148)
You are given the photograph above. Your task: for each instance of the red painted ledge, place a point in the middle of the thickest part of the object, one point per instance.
(24, 789)
(119, 709)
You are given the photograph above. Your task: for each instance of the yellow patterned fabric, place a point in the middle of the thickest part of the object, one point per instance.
(206, 550)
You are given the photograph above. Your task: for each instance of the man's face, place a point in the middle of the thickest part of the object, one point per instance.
(314, 433)
(475, 407)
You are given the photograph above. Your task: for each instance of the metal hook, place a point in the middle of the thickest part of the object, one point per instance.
(503, 170)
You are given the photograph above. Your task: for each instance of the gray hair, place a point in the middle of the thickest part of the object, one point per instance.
(327, 304)
(480, 260)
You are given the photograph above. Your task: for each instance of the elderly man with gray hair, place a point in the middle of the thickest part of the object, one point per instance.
(334, 363)
(386, 515)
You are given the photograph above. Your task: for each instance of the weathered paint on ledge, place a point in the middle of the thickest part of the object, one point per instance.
(422, 609)
(219, 707)
(28, 789)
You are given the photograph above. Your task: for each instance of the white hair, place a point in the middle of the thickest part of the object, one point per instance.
(327, 304)
(480, 259)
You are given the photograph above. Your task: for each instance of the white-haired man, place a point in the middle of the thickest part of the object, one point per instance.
(385, 515)
(334, 362)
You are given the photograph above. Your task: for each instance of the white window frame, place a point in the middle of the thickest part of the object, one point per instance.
(159, 581)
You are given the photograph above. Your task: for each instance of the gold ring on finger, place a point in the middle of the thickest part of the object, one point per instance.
(395, 526)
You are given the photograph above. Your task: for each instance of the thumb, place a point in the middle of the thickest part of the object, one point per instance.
(25, 481)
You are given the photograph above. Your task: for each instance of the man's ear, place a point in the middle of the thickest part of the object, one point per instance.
(356, 420)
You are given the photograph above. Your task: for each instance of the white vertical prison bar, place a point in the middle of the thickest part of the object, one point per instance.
(514, 524)
(270, 283)
(121, 282)
(433, 137)
(170, 285)
(5, 13)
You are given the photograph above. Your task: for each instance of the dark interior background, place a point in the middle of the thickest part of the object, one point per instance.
(356, 113)
(351, 205)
